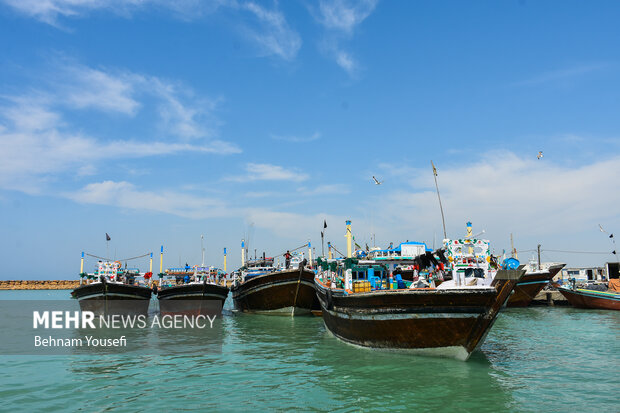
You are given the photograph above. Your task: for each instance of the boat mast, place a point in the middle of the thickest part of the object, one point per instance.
(513, 251)
(202, 237)
(438, 197)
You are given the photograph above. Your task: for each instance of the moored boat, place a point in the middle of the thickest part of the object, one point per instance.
(595, 296)
(449, 321)
(366, 302)
(111, 289)
(196, 290)
(262, 288)
(533, 281)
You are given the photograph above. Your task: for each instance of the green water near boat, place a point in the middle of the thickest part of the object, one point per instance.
(534, 359)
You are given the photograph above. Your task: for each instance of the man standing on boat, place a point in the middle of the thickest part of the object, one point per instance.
(287, 259)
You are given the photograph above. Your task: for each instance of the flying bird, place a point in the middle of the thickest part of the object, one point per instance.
(376, 182)
(540, 155)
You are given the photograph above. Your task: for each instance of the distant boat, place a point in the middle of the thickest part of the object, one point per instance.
(195, 290)
(110, 289)
(532, 283)
(594, 295)
(262, 288)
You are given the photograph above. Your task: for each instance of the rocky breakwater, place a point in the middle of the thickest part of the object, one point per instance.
(38, 285)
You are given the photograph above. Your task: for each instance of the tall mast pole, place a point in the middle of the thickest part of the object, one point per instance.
(443, 221)
(202, 237)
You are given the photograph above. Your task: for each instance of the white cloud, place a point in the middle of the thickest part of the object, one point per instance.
(38, 142)
(268, 29)
(126, 195)
(340, 18)
(327, 189)
(537, 200)
(346, 62)
(85, 87)
(291, 225)
(296, 138)
(180, 113)
(268, 172)
(274, 35)
(345, 15)
(561, 75)
(49, 11)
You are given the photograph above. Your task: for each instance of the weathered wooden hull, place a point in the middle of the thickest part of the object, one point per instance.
(450, 323)
(580, 298)
(113, 298)
(289, 292)
(192, 299)
(530, 285)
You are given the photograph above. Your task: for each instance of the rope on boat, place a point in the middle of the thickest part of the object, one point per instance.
(123, 259)
(578, 252)
(305, 245)
(334, 248)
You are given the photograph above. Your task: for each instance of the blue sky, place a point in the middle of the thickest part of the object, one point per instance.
(158, 123)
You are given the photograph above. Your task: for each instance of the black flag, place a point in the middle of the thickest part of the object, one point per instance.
(611, 236)
(107, 237)
(614, 252)
(322, 234)
(324, 224)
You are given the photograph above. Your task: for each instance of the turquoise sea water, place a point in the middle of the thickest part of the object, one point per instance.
(534, 359)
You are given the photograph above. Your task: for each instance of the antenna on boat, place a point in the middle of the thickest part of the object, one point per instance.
(224, 259)
(513, 251)
(443, 221)
(202, 237)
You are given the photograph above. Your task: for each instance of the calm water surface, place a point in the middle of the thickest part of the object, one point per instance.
(536, 359)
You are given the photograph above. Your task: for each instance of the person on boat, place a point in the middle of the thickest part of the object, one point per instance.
(287, 259)
(186, 279)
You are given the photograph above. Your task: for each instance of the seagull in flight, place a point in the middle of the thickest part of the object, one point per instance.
(376, 182)
(540, 155)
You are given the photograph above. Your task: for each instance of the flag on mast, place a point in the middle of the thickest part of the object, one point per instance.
(324, 224)
(107, 237)
(434, 169)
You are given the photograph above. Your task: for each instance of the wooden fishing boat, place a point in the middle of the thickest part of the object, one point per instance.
(450, 321)
(110, 289)
(192, 291)
(532, 282)
(588, 297)
(264, 289)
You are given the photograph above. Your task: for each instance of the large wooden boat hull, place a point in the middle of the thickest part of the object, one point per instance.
(582, 298)
(113, 298)
(289, 292)
(450, 323)
(530, 285)
(203, 298)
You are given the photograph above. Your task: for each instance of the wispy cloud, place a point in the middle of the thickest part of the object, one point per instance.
(272, 33)
(38, 142)
(327, 189)
(345, 15)
(84, 87)
(346, 62)
(561, 75)
(296, 138)
(50, 11)
(267, 27)
(340, 19)
(268, 172)
(126, 195)
(180, 113)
